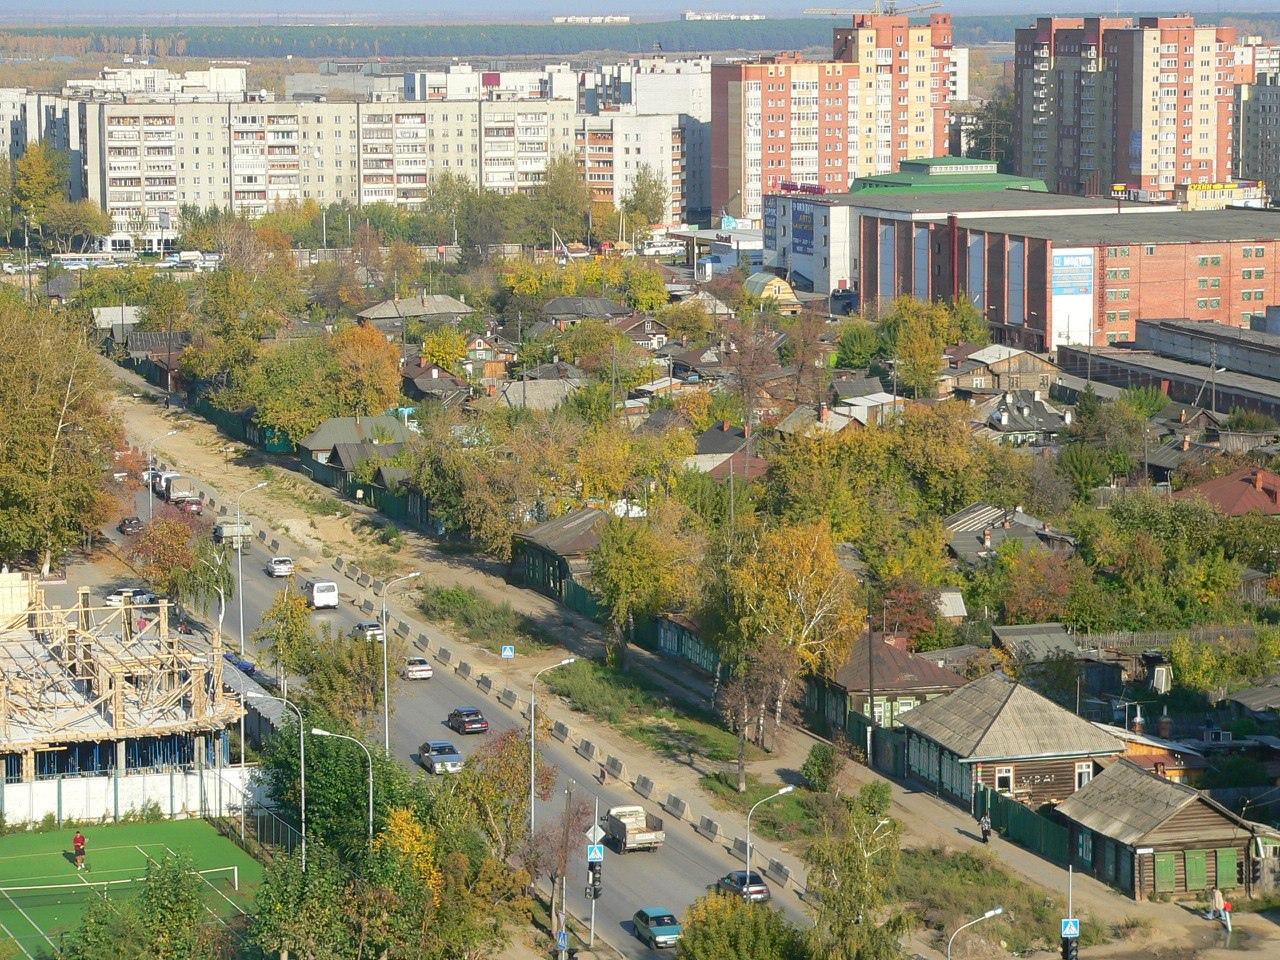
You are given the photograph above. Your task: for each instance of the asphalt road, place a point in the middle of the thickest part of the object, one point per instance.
(672, 877)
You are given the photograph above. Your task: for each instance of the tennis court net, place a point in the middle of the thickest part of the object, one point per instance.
(41, 894)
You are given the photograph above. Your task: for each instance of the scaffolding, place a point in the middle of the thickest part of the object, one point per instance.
(92, 689)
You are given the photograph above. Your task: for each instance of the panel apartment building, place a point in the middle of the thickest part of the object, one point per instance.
(883, 97)
(614, 147)
(1101, 101)
(143, 161)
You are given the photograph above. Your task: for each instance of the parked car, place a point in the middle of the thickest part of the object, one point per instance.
(368, 630)
(135, 595)
(416, 668)
(440, 756)
(130, 525)
(467, 720)
(189, 505)
(657, 927)
(150, 475)
(246, 666)
(280, 567)
(736, 883)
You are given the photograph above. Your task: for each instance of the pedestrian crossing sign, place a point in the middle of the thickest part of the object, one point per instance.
(1070, 928)
(595, 853)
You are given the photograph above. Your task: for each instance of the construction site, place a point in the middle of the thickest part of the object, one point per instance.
(102, 690)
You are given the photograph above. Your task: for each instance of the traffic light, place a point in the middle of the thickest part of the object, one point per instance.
(596, 873)
(1070, 948)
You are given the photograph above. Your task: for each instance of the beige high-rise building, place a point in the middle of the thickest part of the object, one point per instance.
(614, 147)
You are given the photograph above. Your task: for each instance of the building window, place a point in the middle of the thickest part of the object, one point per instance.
(1202, 304)
(1084, 773)
(1149, 250)
(1004, 779)
(1258, 252)
(1248, 252)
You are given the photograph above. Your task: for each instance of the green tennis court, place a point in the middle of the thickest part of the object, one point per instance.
(42, 895)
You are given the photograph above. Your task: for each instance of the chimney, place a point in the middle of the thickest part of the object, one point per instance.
(1257, 479)
(1182, 415)
(1186, 442)
(1164, 726)
(1004, 418)
(1138, 725)
(986, 537)
(1007, 522)
(824, 413)
(1066, 417)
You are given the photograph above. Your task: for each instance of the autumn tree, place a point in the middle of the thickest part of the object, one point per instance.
(369, 371)
(642, 567)
(445, 347)
(720, 927)
(287, 635)
(40, 181)
(792, 593)
(334, 284)
(687, 322)
(366, 247)
(645, 200)
(401, 270)
(751, 357)
(74, 224)
(56, 435)
(563, 199)
(166, 307)
(164, 552)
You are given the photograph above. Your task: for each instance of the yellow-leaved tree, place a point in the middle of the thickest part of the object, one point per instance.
(405, 836)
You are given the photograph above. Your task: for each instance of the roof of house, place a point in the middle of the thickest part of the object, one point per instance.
(556, 370)
(537, 394)
(156, 341)
(712, 304)
(758, 284)
(700, 358)
(1125, 802)
(1155, 227)
(1247, 490)
(856, 386)
(113, 318)
(895, 670)
(61, 286)
(1021, 411)
(575, 534)
(638, 323)
(951, 603)
(1033, 642)
(338, 430)
(1265, 696)
(348, 456)
(959, 656)
(426, 305)
(807, 418)
(1174, 453)
(995, 718)
(741, 466)
(722, 437)
(994, 353)
(583, 307)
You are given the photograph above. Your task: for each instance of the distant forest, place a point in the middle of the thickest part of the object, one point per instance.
(490, 40)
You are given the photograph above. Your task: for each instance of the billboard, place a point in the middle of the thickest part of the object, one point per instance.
(769, 218)
(801, 230)
(1072, 285)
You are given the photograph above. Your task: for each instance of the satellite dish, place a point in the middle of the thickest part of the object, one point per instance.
(263, 93)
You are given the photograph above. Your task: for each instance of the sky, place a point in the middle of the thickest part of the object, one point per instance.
(61, 11)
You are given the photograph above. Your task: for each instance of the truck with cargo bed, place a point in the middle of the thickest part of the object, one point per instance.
(180, 488)
(633, 828)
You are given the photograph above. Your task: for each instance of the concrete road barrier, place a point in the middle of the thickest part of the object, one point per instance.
(616, 767)
(644, 786)
(739, 849)
(262, 535)
(339, 563)
(508, 697)
(444, 655)
(708, 828)
(778, 871)
(677, 807)
(366, 606)
(379, 586)
(402, 628)
(588, 751)
(275, 546)
(464, 669)
(423, 642)
(485, 683)
(364, 579)
(560, 731)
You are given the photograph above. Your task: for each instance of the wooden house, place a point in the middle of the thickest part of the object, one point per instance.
(1146, 835)
(553, 555)
(1000, 733)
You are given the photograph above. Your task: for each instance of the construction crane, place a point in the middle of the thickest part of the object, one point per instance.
(889, 7)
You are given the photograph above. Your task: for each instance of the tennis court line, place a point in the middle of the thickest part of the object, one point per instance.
(26, 917)
(206, 906)
(25, 953)
(213, 888)
(45, 853)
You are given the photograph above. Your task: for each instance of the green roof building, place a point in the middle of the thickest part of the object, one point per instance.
(943, 175)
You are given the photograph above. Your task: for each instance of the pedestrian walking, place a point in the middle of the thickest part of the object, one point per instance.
(77, 847)
(985, 826)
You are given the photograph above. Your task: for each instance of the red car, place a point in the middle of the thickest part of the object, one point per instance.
(468, 720)
(191, 505)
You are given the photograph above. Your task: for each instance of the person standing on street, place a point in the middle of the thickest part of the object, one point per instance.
(984, 825)
(77, 847)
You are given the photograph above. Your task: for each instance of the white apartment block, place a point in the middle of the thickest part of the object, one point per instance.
(216, 84)
(614, 147)
(142, 162)
(461, 81)
(13, 121)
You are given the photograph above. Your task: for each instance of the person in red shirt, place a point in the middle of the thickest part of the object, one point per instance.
(77, 845)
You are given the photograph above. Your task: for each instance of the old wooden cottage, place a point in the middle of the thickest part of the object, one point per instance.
(1000, 733)
(1146, 835)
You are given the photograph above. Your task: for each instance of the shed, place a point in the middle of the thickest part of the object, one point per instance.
(1146, 835)
(1001, 734)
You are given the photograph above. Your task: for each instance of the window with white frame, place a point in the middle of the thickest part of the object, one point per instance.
(1004, 779)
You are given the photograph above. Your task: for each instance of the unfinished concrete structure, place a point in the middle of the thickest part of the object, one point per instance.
(98, 690)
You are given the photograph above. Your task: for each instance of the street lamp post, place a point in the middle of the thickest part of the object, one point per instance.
(240, 561)
(533, 694)
(386, 690)
(342, 736)
(773, 796)
(150, 446)
(993, 912)
(302, 760)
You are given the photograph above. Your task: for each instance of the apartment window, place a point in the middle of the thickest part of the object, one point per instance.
(1202, 304)
(1203, 282)
(1121, 273)
(1004, 779)
(1216, 302)
(1149, 250)
(1248, 252)
(1117, 294)
(1124, 316)
(1246, 294)
(1084, 773)
(1258, 252)
(1117, 251)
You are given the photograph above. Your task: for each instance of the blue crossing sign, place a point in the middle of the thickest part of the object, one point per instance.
(595, 853)
(562, 940)
(1070, 928)
(508, 651)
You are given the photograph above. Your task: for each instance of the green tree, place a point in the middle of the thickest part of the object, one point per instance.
(302, 913)
(74, 225)
(1085, 466)
(287, 634)
(687, 322)
(917, 356)
(563, 199)
(858, 346)
(166, 307)
(8, 198)
(164, 553)
(851, 867)
(721, 927)
(1144, 401)
(40, 180)
(645, 202)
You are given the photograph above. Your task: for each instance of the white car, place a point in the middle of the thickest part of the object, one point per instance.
(416, 668)
(322, 595)
(280, 567)
(136, 596)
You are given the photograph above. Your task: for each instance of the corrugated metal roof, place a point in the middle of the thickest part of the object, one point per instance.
(575, 534)
(1125, 802)
(996, 718)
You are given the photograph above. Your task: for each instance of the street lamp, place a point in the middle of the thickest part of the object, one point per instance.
(342, 736)
(240, 560)
(386, 690)
(773, 796)
(533, 693)
(993, 912)
(302, 759)
(150, 447)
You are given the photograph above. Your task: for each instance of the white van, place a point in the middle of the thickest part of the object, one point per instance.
(322, 595)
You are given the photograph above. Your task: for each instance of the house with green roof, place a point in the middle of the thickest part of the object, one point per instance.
(945, 174)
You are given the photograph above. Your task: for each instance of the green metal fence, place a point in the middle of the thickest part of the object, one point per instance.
(1024, 826)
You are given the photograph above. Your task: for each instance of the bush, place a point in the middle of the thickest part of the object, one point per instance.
(479, 619)
(822, 766)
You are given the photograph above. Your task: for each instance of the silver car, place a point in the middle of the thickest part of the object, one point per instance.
(440, 756)
(416, 668)
(280, 567)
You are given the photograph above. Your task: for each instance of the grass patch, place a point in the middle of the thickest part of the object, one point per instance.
(640, 710)
(945, 888)
(289, 488)
(485, 623)
(794, 816)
